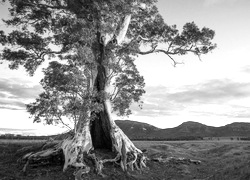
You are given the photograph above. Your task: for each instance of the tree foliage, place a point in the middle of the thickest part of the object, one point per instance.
(66, 32)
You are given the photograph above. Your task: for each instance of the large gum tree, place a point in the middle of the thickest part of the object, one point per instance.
(91, 46)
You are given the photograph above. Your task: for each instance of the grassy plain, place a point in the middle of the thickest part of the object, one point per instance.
(223, 159)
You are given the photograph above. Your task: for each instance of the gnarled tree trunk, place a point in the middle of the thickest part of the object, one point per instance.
(99, 132)
(100, 127)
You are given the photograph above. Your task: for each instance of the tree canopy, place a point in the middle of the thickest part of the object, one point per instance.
(67, 33)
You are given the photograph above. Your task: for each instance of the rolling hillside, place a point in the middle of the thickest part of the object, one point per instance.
(143, 131)
(137, 130)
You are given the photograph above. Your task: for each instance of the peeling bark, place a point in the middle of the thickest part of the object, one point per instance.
(118, 34)
(75, 148)
(123, 30)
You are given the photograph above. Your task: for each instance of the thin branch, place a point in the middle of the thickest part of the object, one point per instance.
(167, 52)
(169, 46)
(153, 50)
(175, 62)
(113, 95)
(118, 91)
(75, 123)
(60, 119)
(143, 38)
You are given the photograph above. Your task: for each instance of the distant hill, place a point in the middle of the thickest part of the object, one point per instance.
(235, 129)
(137, 130)
(143, 131)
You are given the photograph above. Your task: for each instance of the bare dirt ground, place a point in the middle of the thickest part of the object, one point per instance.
(220, 160)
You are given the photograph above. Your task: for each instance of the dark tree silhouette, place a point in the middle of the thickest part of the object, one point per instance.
(91, 46)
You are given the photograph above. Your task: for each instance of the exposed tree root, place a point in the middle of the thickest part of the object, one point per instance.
(78, 149)
(42, 157)
(130, 155)
(78, 174)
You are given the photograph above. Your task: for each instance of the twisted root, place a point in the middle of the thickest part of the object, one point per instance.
(79, 147)
(78, 174)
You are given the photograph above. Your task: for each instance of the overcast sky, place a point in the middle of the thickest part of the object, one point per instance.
(214, 91)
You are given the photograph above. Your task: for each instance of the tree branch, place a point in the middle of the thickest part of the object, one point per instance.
(144, 39)
(175, 62)
(153, 50)
(123, 30)
(60, 119)
(168, 53)
(174, 51)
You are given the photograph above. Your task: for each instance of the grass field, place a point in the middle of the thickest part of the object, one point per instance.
(227, 160)
(21, 141)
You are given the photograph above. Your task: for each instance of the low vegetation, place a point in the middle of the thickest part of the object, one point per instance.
(223, 159)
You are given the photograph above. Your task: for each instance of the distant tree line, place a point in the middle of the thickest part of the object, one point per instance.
(139, 138)
(245, 138)
(16, 137)
(181, 138)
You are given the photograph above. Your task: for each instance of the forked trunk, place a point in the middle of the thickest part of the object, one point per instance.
(104, 132)
(101, 125)
(102, 128)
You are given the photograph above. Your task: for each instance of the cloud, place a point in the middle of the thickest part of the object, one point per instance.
(210, 98)
(17, 88)
(213, 91)
(217, 2)
(156, 103)
(2, 95)
(10, 107)
(11, 102)
(246, 69)
(15, 92)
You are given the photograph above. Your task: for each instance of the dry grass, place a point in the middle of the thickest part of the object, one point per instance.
(227, 160)
(20, 141)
